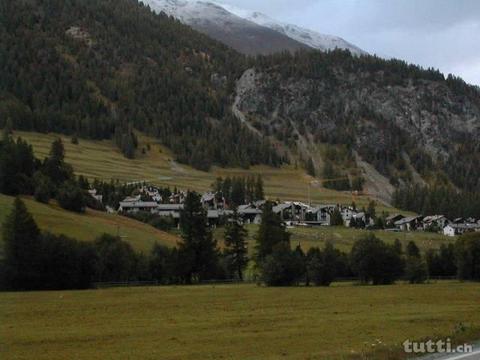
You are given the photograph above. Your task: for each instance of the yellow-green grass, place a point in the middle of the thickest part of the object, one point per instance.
(88, 226)
(102, 160)
(231, 321)
(343, 238)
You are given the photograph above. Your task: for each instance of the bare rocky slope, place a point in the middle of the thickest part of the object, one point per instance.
(412, 128)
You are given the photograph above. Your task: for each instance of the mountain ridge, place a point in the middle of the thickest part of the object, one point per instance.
(313, 39)
(215, 21)
(249, 32)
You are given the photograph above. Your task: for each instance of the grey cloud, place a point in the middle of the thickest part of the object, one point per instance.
(444, 34)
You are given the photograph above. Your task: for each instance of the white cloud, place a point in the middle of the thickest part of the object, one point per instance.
(444, 34)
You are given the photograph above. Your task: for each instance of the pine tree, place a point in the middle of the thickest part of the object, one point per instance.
(238, 192)
(55, 166)
(235, 243)
(271, 232)
(336, 218)
(22, 249)
(259, 193)
(198, 248)
(413, 250)
(371, 211)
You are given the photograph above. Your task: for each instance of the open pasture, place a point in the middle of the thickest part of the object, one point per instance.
(233, 321)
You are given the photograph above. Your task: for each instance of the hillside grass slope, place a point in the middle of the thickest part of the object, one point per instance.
(88, 226)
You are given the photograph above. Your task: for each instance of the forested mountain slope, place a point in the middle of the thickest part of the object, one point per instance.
(101, 68)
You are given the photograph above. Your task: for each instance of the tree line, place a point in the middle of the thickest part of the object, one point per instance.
(35, 260)
(21, 173)
(239, 190)
(438, 199)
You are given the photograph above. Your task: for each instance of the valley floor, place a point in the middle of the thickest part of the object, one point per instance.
(232, 321)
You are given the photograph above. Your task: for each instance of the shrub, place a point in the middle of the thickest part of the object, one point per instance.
(467, 251)
(416, 271)
(281, 267)
(322, 265)
(71, 197)
(374, 261)
(44, 188)
(116, 259)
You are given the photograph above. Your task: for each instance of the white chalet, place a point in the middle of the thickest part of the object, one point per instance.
(459, 229)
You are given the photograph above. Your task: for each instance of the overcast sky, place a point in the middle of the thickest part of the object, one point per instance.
(444, 34)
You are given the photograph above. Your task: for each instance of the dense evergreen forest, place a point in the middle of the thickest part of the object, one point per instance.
(99, 68)
(438, 200)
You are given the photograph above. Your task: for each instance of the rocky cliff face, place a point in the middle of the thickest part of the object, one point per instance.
(410, 129)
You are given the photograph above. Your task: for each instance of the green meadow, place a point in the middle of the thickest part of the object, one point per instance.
(343, 238)
(234, 321)
(90, 225)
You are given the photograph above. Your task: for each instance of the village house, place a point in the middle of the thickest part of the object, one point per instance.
(392, 219)
(136, 206)
(435, 222)
(213, 201)
(250, 214)
(359, 218)
(349, 214)
(460, 229)
(291, 211)
(152, 192)
(320, 215)
(172, 210)
(410, 223)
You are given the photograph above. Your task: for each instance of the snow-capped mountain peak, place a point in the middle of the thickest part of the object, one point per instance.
(219, 23)
(188, 11)
(308, 37)
(250, 32)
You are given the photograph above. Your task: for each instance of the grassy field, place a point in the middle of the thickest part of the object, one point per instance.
(231, 321)
(102, 160)
(343, 238)
(90, 225)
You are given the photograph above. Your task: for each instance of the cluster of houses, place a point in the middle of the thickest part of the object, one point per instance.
(434, 223)
(293, 213)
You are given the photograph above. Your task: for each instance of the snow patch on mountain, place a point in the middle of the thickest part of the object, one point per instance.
(192, 11)
(202, 14)
(308, 37)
